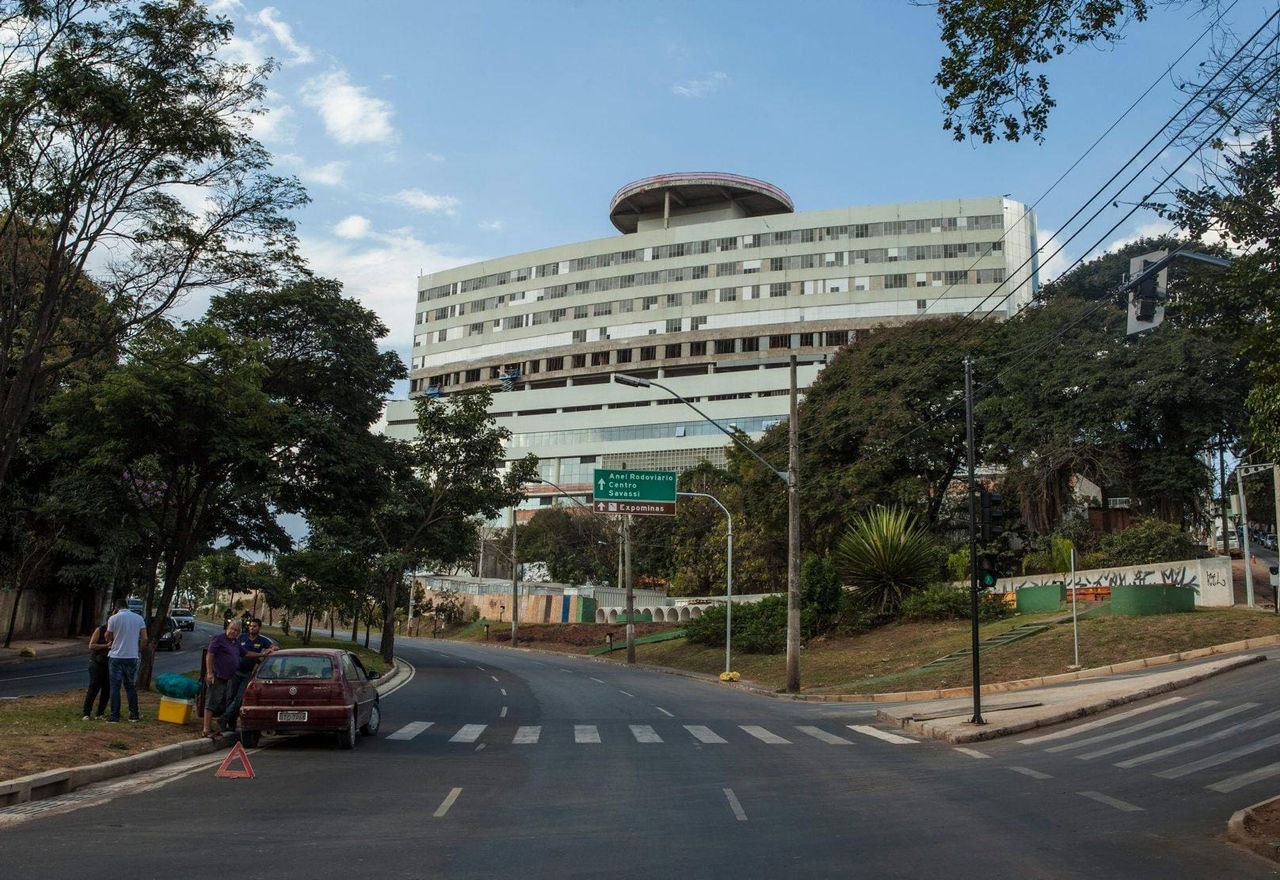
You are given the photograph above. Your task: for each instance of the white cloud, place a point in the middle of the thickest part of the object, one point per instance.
(491, 225)
(353, 228)
(283, 34)
(701, 88)
(1150, 229)
(422, 201)
(350, 114)
(275, 126)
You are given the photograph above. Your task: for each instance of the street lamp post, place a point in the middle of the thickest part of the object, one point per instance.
(1243, 471)
(728, 578)
(791, 477)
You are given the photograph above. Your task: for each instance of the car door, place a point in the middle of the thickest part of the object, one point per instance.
(354, 672)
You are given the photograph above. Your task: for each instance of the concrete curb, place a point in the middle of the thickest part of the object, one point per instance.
(1238, 831)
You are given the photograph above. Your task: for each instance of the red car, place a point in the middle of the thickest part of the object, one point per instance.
(310, 690)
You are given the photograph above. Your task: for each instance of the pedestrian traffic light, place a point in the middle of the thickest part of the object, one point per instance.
(992, 515)
(988, 570)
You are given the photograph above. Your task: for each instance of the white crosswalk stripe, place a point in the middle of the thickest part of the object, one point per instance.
(410, 730)
(527, 735)
(704, 734)
(645, 733)
(1165, 734)
(875, 732)
(1126, 731)
(586, 733)
(819, 733)
(764, 735)
(469, 733)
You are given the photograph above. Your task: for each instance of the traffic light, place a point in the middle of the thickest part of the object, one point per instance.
(1146, 297)
(988, 570)
(992, 515)
(1145, 300)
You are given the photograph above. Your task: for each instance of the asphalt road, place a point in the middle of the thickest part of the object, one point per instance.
(495, 763)
(42, 676)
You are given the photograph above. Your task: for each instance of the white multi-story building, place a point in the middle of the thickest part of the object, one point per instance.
(713, 284)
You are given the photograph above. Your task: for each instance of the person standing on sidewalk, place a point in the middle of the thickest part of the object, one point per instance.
(127, 636)
(221, 659)
(99, 675)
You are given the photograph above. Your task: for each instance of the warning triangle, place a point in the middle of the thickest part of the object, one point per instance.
(237, 752)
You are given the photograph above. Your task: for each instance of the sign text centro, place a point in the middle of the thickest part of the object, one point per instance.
(644, 493)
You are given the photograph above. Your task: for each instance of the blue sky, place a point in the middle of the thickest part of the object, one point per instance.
(434, 134)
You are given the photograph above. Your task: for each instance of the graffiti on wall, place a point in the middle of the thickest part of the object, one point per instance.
(1177, 575)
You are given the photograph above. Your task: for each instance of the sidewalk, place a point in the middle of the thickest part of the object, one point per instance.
(42, 649)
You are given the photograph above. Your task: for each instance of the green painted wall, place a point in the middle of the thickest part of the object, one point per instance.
(1140, 599)
(1046, 597)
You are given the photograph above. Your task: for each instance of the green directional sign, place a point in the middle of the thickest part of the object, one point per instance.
(646, 493)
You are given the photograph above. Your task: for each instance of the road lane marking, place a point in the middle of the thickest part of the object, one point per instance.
(503, 713)
(819, 733)
(1101, 722)
(410, 730)
(586, 733)
(527, 735)
(1165, 734)
(735, 805)
(1195, 743)
(664, 712)
(625, 694)
(645, 733)
(972, 753)
(882, 734)
(704, 734)
(593, 678)
(764, 735)
(469, 733)
(1103, 737)
(447, 803)
(502, 691)
(1027, 771)
(1231, 783)
(1101, 798)
(1220, 758)
(494, 677)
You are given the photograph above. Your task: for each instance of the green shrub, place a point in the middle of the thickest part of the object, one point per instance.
(958, 565)
(758, 627)
(1148, 541)
(947, 603)
(1038, 562)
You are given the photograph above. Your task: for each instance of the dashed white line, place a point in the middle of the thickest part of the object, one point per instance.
(664, 712)
(735, 805)
(593, 678)
(503, 713)
(1101, 798)
(494, 677)
(625, 694)
(972, 753)
(447, 803)
(502, 691)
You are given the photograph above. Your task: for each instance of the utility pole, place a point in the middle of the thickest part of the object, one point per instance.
(515, 590)
(973, 540)
(793, 538)
(631, 593)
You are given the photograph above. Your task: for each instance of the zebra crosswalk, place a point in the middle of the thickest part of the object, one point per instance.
(647, 734)
(1219, 747)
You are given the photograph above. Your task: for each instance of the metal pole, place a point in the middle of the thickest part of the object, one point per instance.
(793, 539)
(1275, 473)
(1075, 629)
(973, 541)
(631, 593)
(515, 591)
(1244, 538)
(728, 577)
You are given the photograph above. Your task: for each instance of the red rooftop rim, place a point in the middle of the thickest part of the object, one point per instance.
(694, 189)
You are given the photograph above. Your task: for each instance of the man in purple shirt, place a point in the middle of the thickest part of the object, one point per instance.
(221, 659)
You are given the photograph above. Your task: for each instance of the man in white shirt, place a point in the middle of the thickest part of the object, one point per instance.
(127, 635)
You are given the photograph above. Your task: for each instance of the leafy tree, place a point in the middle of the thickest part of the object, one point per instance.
(991, 87)
(435, 486)
(886, 556)
(820, 595)
(577, 546)
(112, 111)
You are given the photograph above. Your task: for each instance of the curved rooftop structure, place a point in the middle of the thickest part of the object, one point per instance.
(712, 193)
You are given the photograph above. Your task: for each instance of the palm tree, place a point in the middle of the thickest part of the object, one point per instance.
(884, 557)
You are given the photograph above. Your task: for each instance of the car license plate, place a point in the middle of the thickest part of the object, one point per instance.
(291, 716)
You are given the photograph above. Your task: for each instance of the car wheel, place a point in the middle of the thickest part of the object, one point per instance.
(250, 738)
(347, 738)
(370, 727)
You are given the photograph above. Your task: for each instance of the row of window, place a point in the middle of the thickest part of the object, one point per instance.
(895, 281)
(542, 439)
(510, 373)
(930, 226)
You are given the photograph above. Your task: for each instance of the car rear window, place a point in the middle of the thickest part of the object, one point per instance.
(182, 612)
(296, 667)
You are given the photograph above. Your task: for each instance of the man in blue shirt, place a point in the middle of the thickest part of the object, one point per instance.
(254, 646)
